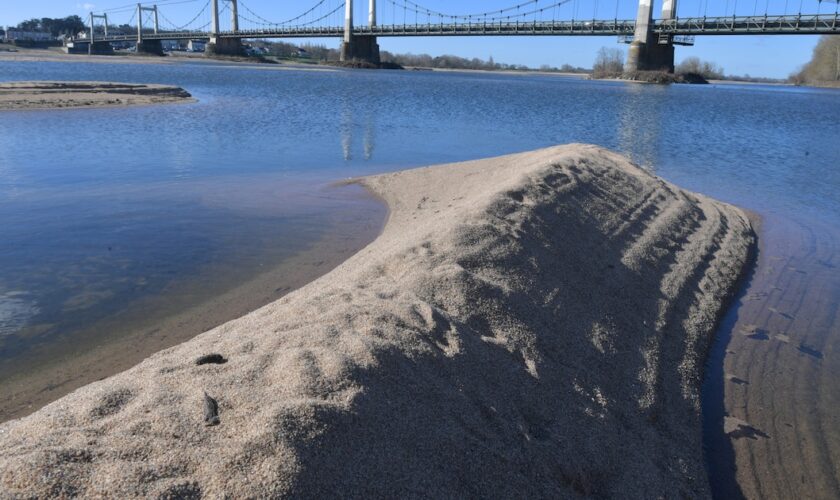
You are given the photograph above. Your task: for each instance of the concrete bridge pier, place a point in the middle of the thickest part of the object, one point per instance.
(359, 47)
(649, 52)
(650, 57)
(218, 46)
(95, 48)
(149, 47)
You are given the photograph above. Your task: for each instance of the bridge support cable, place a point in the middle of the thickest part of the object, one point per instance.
(308, 17)
(515, 19)
(188, 27)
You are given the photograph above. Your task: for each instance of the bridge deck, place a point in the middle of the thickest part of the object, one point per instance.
(749, 25)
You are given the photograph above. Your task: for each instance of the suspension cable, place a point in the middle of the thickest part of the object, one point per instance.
(425, 10)
(181, 28)
(287, 21)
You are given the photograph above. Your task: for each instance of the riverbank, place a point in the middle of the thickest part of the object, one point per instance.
(15, 96)
(57, 55)
(551, 320)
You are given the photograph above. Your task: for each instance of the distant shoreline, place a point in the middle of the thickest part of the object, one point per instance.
(24, 54)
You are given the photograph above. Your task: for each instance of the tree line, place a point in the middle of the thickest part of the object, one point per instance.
(824, 66)
(69, 25)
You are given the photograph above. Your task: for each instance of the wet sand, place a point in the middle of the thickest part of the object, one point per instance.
(54, 95)
(774, 417)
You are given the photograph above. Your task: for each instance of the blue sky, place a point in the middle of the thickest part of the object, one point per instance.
(772, 56)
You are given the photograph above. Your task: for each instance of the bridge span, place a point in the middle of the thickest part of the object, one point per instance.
(651, 40)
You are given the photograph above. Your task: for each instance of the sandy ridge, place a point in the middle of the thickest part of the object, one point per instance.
(528, 325)
(53, 94)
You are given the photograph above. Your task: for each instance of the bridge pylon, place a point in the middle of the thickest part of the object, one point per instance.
(219, 45)
(95, 47)
(359, 47)
(649, 52)
(143, 46)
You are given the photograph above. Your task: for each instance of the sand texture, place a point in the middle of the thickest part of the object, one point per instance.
(50, 95)
(531, 325)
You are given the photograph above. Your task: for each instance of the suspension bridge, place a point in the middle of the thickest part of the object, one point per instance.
(651, 40)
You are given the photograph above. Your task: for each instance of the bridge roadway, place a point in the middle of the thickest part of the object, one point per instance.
(731, 25)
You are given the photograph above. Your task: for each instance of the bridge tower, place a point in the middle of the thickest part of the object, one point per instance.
(649, 52)
(95, 47)
(359, 47)
(219, 45)
(153, 46)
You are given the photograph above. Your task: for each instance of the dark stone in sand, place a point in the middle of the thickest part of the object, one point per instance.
(211, 411)
(215, 359)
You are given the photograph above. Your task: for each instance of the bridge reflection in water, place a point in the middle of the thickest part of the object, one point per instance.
(366, 129)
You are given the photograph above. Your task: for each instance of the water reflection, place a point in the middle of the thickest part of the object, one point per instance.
(346, 132)
(369, 137)
(640, 124)
(367, 124)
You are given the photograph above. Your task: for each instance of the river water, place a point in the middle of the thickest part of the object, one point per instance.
(155, 209)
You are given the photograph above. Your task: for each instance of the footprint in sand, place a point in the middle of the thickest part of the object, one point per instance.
(754, 332)
(736, 380)
(810, 351)
(784, 315)
(737, 429)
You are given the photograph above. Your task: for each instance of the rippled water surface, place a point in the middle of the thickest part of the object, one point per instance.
(100, 208)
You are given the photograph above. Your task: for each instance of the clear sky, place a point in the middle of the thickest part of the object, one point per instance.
(771, 56)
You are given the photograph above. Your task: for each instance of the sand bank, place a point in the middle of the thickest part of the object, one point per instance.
(51, 95)
(529, 325)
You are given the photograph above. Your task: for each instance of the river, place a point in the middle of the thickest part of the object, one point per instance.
(113, 221)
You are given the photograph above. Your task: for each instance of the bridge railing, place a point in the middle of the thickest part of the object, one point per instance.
(585, 27)
(734, 25)
(728, 25)
(160, 35)
(291, 31)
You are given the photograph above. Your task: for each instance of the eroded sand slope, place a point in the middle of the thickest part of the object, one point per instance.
(529, 325)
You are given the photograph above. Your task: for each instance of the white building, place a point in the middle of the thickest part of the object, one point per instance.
(196, 46)
(12, 34)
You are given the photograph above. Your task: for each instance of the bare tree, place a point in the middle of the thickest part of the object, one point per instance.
(695, 66)
(608, 63)
(824, 66)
